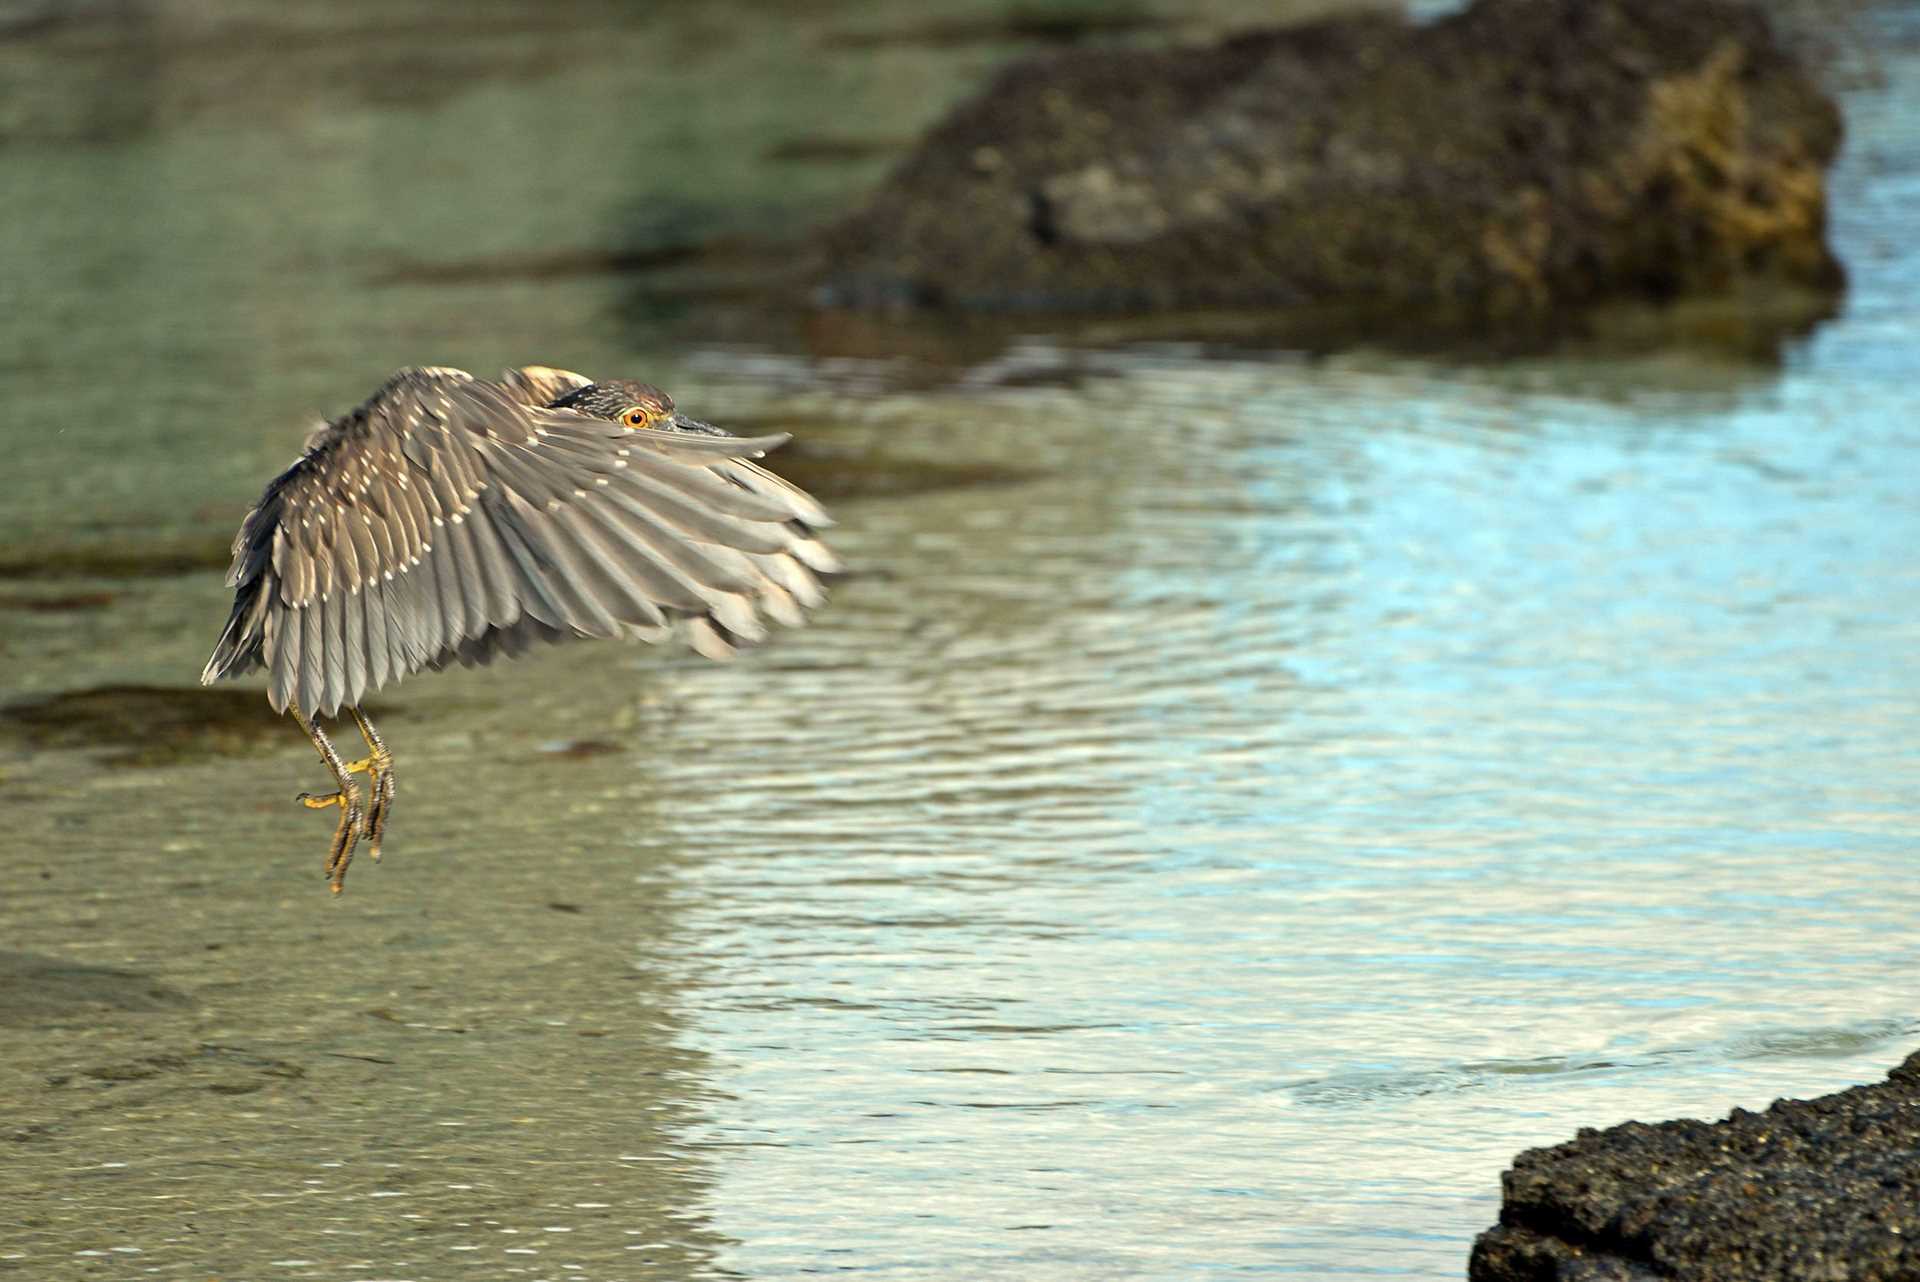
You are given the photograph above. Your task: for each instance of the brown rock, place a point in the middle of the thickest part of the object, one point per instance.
(1519, 158)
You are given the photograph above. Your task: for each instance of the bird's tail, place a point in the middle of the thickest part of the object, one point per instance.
(237, 652)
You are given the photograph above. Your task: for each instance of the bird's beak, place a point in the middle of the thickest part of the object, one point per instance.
(682, 423)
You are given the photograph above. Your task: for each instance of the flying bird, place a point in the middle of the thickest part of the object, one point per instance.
(454, 520)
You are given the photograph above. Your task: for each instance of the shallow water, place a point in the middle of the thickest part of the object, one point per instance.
(1236, 802)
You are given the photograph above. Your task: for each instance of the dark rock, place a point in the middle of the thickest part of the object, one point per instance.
(1826, 1188)
(1517, 159)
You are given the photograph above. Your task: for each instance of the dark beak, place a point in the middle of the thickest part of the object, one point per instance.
(681, 423)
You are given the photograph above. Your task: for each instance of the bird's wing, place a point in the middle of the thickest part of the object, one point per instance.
(541, 384)
(447, 519)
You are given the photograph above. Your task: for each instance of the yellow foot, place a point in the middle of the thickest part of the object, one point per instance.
(379, 771)
(345, 835)
(378, 767)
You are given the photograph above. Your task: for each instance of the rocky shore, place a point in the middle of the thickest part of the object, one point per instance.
(1825, 1189)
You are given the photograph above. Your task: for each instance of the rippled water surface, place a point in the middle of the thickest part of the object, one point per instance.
(1236, 801)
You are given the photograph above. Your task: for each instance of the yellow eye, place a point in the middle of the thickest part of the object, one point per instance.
(636, 417)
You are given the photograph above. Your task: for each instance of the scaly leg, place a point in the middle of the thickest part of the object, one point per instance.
(347, 833)
(379, 768)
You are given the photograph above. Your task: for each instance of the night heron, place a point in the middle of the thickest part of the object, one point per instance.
(450, 519)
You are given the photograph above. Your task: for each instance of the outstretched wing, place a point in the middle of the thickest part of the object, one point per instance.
(448, 519)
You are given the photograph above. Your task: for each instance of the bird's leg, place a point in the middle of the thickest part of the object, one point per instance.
(379, 767)
(347, 833)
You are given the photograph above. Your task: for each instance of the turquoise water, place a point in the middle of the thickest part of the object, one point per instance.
(1236, 802)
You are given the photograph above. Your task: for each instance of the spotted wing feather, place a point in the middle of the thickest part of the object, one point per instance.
(451, 520)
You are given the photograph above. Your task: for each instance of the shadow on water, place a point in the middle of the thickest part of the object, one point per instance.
(744, 291)
(127, 557)
(148, 725)
(1062, 25)
(56, 602)
(37, 990)
(834, 472)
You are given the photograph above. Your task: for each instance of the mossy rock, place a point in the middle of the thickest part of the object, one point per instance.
(1507, 163)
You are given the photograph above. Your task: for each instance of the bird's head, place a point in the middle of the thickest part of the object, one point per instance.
(632, 404)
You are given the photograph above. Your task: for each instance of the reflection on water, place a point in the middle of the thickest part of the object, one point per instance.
(1235, 801)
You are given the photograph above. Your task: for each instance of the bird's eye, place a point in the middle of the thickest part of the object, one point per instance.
(635, 417)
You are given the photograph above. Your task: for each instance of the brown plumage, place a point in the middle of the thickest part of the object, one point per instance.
(449, 519)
